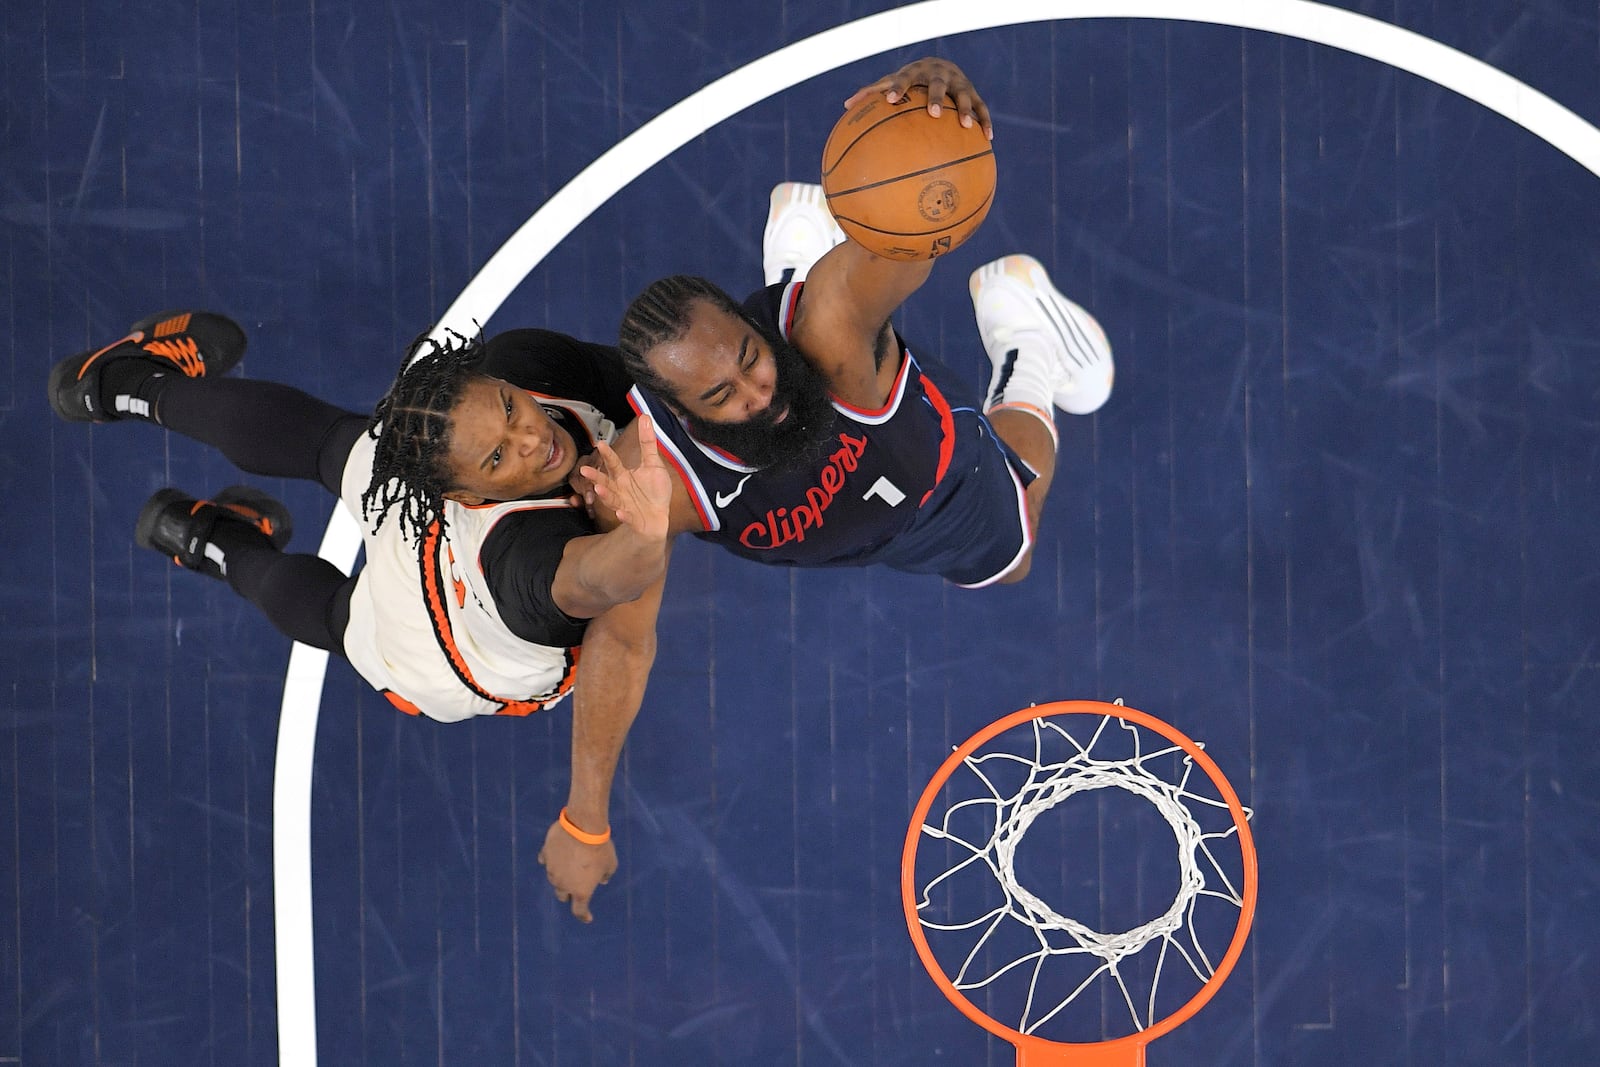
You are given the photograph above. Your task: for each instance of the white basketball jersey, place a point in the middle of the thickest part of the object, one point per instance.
(424, 628)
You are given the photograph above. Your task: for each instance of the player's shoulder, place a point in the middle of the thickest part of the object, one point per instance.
(765, 305)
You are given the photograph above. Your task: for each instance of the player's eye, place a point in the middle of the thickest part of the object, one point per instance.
(508, 405)
(494, 460)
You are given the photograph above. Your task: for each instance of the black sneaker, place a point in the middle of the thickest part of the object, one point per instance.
(194, 343)
(177, 525)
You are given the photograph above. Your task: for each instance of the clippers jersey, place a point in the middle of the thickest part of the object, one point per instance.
(841, 509)
(425, 628)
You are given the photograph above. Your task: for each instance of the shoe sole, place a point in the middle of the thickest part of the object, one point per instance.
(145, 527)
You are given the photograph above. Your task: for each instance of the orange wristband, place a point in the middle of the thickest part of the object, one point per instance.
(583, 835)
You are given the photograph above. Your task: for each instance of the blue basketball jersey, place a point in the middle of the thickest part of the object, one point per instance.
(845, 506)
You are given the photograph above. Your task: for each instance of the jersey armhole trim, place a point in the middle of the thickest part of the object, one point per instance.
(675, 459)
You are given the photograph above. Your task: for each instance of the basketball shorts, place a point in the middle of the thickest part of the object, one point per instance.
(974, 529)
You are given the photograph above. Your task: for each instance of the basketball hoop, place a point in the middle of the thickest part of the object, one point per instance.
(980, 930)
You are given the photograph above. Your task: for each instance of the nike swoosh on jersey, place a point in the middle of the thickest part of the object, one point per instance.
(724, 501)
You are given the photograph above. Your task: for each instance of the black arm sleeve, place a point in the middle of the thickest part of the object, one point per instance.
(519, 559)
(544, 361)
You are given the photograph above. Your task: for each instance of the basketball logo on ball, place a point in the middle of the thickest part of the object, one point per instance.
(937, 200)
(903, 184)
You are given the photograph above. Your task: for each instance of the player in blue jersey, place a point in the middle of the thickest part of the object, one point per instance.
(806, 432)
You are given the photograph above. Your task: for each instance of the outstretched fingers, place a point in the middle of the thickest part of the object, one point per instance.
(640, 494)
(648, 449)
(891, 86)
(603, 480)
(943, 80)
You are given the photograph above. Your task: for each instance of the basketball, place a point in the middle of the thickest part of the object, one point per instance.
(903, 184)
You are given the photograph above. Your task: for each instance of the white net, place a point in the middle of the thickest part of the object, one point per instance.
(990, 930)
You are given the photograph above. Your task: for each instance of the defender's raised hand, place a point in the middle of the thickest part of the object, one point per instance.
(942, 78)
(640, 495)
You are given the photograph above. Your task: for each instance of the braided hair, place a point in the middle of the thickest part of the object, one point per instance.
(411, 461)
(661, 314)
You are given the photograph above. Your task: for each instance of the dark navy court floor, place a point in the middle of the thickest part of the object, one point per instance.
(1338, 521)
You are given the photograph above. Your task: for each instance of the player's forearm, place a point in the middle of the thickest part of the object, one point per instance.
(618, 651)
(858, 290)
(621, 565)
(604, 570)
(879, 286)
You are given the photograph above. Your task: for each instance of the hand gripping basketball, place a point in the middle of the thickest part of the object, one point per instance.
(942, 79)
(906, 177)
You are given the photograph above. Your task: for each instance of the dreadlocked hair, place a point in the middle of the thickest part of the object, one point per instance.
(411, 425)
(661, 314)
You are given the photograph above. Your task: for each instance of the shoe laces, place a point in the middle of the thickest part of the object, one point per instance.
(182, 352)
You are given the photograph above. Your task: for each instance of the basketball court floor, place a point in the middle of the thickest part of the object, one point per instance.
(1338, 522)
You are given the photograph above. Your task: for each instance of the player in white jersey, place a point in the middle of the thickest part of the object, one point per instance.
(484, 574)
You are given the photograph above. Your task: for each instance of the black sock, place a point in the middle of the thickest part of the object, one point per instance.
(236, 542)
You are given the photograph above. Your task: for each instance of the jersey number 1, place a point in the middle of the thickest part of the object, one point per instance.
(886, 491)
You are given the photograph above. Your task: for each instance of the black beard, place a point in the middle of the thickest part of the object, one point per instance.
(760, 442)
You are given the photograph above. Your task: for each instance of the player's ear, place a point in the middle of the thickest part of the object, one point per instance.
(461, 497)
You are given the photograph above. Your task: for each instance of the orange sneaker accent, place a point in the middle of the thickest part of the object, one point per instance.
(135, 336)
(183, 353)
(176, 324)
(252, 516)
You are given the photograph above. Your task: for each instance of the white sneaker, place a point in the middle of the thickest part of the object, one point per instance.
(1041, 344)
(800, 229)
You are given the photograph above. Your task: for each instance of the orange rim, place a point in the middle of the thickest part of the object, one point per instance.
(1038, 1050)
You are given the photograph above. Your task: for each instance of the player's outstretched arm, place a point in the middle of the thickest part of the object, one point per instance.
(616, 566)
(618, 650)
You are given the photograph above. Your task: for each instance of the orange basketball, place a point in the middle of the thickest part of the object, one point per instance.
(903, 184)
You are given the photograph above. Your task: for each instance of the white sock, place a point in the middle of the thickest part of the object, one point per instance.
(1021, 382)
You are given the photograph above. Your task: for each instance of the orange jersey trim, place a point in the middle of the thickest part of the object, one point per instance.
(947, 427)
(433, 596)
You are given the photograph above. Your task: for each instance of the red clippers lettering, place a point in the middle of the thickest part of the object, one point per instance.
(791, 524)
